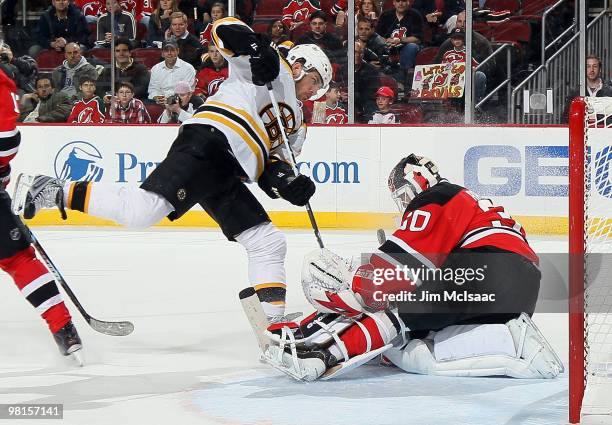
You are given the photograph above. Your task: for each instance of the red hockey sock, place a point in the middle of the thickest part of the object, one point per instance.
(38, 286)
(355, 340)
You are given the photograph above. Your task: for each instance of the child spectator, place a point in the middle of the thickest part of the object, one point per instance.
(160, 22)
(90, 108)
(125, 25)
(334, 113)
(217, 11)
(126, 109)
(296, 12)
(214, 71)
(457, 54)
(383, 115)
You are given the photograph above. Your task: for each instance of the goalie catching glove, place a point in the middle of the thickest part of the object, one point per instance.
(279, 180)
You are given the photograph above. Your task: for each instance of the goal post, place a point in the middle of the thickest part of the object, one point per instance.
(590, 249)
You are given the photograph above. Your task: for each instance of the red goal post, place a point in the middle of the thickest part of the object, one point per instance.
(590, 249)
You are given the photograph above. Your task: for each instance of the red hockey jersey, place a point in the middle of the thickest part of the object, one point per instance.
(210, 78)
(447, 217)
(138, 8)
(298, 11)
(205, 36)
(87, 111)
(9, 135)
(335, 115)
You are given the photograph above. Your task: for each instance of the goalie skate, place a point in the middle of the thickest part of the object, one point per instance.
(32, 193)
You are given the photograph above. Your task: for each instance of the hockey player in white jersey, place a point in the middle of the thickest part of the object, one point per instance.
(232, 139)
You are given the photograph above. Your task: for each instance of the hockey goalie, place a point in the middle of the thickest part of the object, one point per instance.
(450, 293)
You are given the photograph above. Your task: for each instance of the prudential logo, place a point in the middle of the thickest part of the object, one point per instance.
(78, 161)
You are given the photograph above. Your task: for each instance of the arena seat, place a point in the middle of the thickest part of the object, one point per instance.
(497, 5)
(141, 32)
(389, 81)
(408, 113)
(260, 26)
(513, 30)
(426, 55)
(154, 110)
(102, 53)
(148, 56)
(269, 8)
(47, 60)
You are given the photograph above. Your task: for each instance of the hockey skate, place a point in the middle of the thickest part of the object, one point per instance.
(32, 193)
(300, 365)
(69, 342)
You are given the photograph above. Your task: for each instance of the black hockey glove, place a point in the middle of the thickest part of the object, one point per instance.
(5, 176)
(278, 180)
(265, 63)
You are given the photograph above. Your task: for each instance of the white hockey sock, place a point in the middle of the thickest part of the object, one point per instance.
(266, 248)
(127, 205)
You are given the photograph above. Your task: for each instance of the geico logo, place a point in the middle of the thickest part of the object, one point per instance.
(500, 170)
(330, 172)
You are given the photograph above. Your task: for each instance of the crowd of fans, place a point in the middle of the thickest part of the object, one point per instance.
(166, 64)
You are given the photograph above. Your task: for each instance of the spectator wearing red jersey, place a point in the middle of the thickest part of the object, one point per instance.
(334, 113)
(90, 108)
(126, 109)
(217, 11)
(92, 9)
(457, 54)
(160, 22)
(296, 12)
(214, 71)
(383, 115)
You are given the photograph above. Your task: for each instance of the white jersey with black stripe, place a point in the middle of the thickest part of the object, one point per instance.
(243, 111)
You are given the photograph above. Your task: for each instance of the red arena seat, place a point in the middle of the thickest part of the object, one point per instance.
(154, 110)
(270, 8)
(513, 30)
(102, 53)
(426, 55)
(47, 60)
(147, 56)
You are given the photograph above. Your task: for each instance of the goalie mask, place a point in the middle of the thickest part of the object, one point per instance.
(313, 59)
(411, 176)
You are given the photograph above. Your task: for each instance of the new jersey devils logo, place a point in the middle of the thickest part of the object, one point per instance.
(271, 123)
(301, 14)
(399, 33)
(86, 115)
(214, 84)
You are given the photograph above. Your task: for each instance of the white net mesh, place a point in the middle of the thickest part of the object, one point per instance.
(598, 253)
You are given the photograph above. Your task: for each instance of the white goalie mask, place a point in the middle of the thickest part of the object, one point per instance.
(314, 59)
(411, 176)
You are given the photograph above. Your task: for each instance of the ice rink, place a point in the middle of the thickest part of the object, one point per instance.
(192, 358)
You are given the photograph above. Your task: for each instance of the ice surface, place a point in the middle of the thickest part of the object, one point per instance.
(193, 360)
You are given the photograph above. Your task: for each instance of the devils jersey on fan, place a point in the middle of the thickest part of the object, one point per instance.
(9, 111)
(138, 8)
(298, 11)
(209, 78)
(335, 115)
(447, 217)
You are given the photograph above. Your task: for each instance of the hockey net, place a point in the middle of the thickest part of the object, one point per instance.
(590, 238)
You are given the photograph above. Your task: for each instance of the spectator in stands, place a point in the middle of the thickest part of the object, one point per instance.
(217, 11)
(90, 108)
(92, 9)
(297, 12)
(45, 105)
(369, 9)
(68, 76)
(190, 49)
(60, 24)
(373, 41)
(24, 69)
(181, 106)
(125, 25)
(402, 27)
(125, 108)
(159, 22)
(126, 69)
(383, 114)
(457, 54)
(167, 73)
(329, 43)
(366, 82)
(214, 71)
(452, 8)
(596, 86)
(334, 113)
(278, 34)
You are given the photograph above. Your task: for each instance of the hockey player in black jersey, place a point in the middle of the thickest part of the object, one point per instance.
(450, 293)
(232, 139)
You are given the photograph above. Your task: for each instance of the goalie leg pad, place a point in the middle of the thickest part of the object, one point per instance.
(529, 356)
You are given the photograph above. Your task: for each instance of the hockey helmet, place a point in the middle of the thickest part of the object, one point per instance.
(314, 59)
(411, 176)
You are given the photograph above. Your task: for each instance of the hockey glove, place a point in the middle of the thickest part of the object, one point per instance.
(278, 180)
(5, 176)
(265, 62)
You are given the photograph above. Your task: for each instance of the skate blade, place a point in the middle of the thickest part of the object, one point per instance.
(22, 186)
(77, 356)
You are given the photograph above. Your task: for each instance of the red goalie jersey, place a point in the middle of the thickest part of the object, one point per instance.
(9, 139)
(447, 217)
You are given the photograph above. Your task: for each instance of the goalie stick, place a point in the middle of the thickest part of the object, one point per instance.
(107, 328)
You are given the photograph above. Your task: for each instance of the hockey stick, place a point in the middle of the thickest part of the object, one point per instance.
(107, 328)
(291, 157)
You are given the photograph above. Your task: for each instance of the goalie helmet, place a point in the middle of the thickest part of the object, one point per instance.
(313, 59)
(411, 176)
